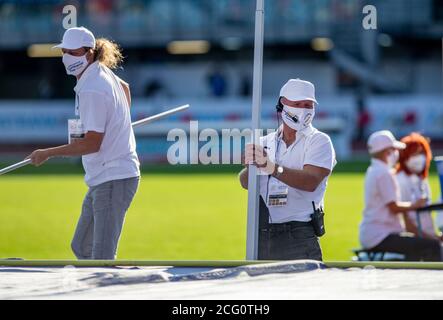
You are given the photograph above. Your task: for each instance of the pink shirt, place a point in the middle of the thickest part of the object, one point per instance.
(380, 189)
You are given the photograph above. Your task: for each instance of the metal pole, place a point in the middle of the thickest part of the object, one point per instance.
(253, 181)
(135, 124)
(159, 116)
(15, 166)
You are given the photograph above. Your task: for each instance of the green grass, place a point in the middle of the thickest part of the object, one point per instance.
(174, 216)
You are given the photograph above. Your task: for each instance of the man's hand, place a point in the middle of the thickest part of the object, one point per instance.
(38, 157)
(256, 155)
(80, 147)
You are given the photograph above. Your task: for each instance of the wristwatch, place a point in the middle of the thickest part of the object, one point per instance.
(279, 171)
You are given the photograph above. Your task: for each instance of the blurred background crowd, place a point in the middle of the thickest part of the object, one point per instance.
(201, 52)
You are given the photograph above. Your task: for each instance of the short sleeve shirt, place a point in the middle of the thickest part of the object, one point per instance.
(412, 188)
(311, 147)
(378, 222)
(103, 108)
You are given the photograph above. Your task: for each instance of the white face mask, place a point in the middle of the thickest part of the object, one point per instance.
(393, 158)
(417, 163)
(304, 117)
(74, 65)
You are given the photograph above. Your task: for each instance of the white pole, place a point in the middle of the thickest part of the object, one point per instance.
(253, 186)
(135, 124)
(15, 166)
(156, 117)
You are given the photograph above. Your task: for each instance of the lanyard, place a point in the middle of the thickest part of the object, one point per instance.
(77, 112)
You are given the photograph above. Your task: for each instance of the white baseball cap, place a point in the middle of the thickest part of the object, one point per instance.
(298, 90)
(381, 140)
(77, 37)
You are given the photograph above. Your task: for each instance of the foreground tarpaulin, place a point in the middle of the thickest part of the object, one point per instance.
(286, 280)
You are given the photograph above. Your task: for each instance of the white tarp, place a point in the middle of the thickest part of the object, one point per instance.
(288, 280)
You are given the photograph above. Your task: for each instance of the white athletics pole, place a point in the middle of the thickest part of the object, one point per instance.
(253, 187)
(135, 124)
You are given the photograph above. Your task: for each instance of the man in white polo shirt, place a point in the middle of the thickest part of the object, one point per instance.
(381, 228)
(295, 163)
(102, 134)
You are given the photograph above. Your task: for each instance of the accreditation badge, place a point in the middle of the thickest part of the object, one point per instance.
(76, 130)
(277, 194)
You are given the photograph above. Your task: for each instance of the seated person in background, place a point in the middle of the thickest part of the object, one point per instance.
(381, 227)
(412, 178)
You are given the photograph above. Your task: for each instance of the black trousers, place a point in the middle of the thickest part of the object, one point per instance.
(286, 241)
(414, 248)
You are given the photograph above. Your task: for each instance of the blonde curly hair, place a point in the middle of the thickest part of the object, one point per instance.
(108, 53)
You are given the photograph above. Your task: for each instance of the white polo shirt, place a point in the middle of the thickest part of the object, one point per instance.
(310, 147)
(413, 188)
(102, 106)
(381, 188)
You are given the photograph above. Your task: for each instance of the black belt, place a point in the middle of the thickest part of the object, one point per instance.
(287, 226)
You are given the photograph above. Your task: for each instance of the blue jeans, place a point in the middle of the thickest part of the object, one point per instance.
(101, 221)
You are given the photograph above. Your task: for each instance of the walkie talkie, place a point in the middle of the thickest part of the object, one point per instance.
(317, 221)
